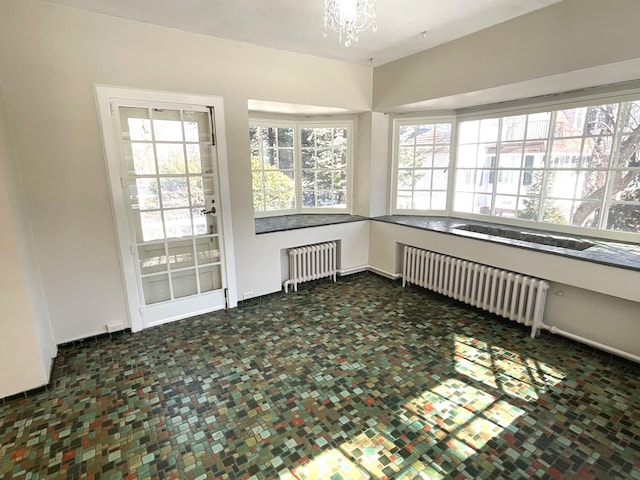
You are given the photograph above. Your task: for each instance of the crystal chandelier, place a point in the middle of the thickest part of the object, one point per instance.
(349, 18)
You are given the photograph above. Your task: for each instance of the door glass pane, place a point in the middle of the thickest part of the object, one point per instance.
(194, 159)
(208, 250)
(140, 158)
(196, 189)
(174, 192)
(156, 289)
(184, 283)
(205, 159)
(167, 125)
(135, 123)
(147, 189)
(177, 223)
(210, 278)
(196, 127)
(181, 254)
(152, 258)
(148, 226)
(202, 223)
(170, 158)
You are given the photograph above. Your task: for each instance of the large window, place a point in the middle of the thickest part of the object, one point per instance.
(572, 166)
(422, 165)
(300, 168)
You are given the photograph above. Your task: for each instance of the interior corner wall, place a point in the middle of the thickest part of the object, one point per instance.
(26, 342)
(569, 36)
(56, 56)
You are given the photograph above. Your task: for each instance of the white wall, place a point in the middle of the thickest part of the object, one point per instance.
(597, 302)
(571, 44)
(56, 56)
(26, 341)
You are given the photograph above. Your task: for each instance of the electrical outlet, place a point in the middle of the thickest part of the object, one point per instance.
(247, 295)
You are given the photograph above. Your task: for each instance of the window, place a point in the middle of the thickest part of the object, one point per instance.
(571, 166)
(272, 168)
(422, 166)
(300, 167)
(577, 167)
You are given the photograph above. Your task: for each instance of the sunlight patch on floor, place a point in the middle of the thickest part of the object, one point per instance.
(501, 368)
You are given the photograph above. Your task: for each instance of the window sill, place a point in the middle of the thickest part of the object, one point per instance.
(294, 222)
(614, 254)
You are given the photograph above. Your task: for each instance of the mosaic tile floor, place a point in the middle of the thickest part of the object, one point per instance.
(356, 380)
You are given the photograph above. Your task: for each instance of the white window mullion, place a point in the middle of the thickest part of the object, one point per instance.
(614, 167)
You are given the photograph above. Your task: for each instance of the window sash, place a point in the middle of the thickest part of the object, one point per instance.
(336, 174)
(585, 131)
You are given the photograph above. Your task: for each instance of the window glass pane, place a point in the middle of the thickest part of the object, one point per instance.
(626, 186)
(631, 119)
(424, 157)
(421, 200)
(528, 208)
(513, 128)
(463, 202)
(570, 122)
(597, 152)
(505, 206)
(438, 200)
(443, 133)
(424, 134)
(602, 119)
(407, 135)
(557, 211)
(510, 154)
(439, 179)
(285, 137)
(308, 158)
(422, 179)
(482, 204)
(285, 160)
(142, 158)
(468, 131)
(624, 218)
(467, 155)
(538, 125)
(489, 130)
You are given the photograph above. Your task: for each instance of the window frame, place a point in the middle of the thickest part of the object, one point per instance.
(413, 121)
(518, 107)
(298, 124)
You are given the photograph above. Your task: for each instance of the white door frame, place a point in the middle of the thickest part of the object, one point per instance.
(105, 95)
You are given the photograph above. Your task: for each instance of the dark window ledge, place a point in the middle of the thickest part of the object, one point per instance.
(294, 222)
(615, 254)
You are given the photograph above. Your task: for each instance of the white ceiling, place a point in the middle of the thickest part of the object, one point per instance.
(297, 25)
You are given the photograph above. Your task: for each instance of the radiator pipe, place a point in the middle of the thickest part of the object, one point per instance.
(286, 286)
(601, 346)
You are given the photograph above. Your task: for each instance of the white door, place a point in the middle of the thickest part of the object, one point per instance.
(168, 172)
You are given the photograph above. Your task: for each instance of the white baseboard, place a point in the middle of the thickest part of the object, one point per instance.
(369, 268)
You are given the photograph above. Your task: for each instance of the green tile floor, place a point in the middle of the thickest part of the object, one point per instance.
(355, 380)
